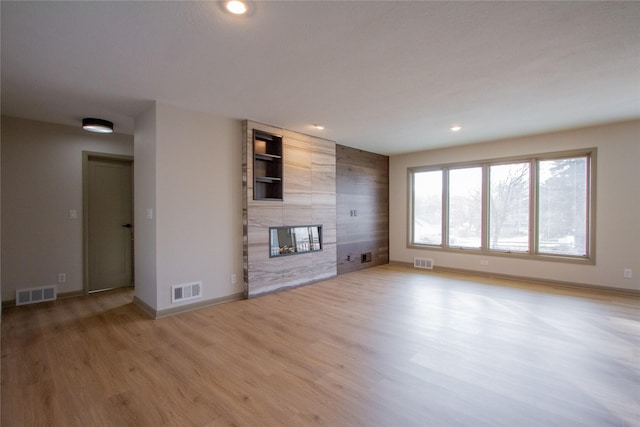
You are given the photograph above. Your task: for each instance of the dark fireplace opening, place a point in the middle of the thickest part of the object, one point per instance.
(295, 239)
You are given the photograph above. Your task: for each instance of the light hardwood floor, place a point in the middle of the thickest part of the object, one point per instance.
(388, 346)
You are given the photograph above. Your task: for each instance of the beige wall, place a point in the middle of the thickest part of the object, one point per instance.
(188, 170)
(194, 186)
(41, 182)
(618, 205)
(144, 199)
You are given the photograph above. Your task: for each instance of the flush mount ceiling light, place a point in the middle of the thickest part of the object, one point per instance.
(319, 127)
(237, 7)
(97, 125)
(455, 128)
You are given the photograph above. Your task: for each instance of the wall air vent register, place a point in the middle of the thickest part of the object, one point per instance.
(426, 263)
(186, 291)
(34, 295)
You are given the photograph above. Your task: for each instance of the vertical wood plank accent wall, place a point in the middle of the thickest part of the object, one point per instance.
(309, 198)
(362, 186)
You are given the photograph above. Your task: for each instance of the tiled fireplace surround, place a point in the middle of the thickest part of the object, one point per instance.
(309, 179)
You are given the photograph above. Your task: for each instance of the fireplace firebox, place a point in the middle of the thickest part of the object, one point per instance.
(293, 240)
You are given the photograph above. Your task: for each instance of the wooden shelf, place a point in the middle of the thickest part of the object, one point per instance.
(267, 157)
(267, 179)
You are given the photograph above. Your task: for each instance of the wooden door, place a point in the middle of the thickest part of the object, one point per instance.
(110, 224)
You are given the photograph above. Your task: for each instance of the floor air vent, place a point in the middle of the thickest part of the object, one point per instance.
(423, 263)
(34, 295)
(186, 291)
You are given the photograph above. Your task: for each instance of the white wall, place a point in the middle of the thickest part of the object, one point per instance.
(144, 200)
(41, 182)
(618, 205)
(198, 207)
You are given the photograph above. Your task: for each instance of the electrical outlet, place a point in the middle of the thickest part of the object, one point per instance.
(628, 274)
(62, 278)
(484, 262)
(233, 279)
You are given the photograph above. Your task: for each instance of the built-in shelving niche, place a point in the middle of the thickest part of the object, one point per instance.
(267, 166)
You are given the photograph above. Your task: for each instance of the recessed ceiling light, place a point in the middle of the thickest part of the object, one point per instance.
(456, 128)
(236, 7)
(319, 127)
(97, 125)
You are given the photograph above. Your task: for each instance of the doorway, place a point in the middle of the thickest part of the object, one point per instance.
(108, 221)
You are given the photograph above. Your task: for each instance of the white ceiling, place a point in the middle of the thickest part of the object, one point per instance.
(384, 76)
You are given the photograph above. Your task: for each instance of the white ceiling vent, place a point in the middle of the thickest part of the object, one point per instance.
(34, 295)
(423, 263)
(186, 291)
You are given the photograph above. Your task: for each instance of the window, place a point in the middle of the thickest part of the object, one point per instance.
(427, 229)
(562, 219)
(539, 206)
(465, 207)
(509, 207)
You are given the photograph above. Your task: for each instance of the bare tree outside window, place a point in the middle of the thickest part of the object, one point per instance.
(562, 214)
(509, 207)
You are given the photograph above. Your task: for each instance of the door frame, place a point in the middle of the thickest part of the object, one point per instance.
(86, 155)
